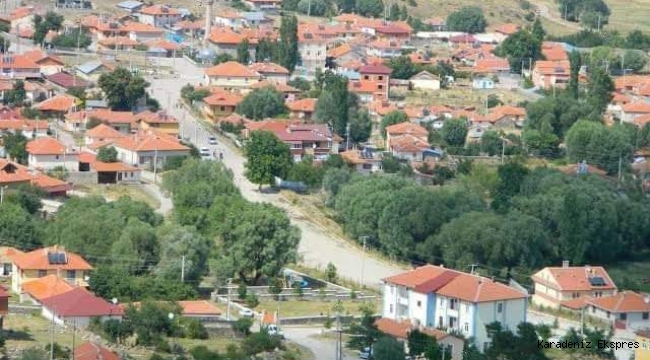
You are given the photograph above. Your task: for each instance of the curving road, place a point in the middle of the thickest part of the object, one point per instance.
(317, 245)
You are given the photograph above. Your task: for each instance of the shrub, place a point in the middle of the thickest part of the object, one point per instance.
(241, 291)
(196, 330)
(242, 326)
(252, 301)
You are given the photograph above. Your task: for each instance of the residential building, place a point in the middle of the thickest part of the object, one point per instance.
(64, 81)
(101, 133)
(290, 93)
(202, 310)
(35, 290)
(221, 104)
(108, 173)
(92, 70)
(159, 121)
(226, 40)
(146, 148)
(53, 260)
(131, 6)
(4, 304)
(58, 105)
(48, 63)
(47, 153)
(315, 140)
(482, 83)
(491, 65)
(13, 174)
(378, 74)
(19, 66)
(554, 51)
(396, 131)
(264, 5)
(7, 252)
(122, 121)
(507, 29)
(364, 161)
(453, 301)
(507, 117)
(92, 351)
(631, 111)
(569, 286)
(400, 330)
(548, 74)
(22, 17)
(643, 351)
(625, 310)
(271, 71)
(409, 147)
(122, 43)
(425, 80)
(30, 128)
(302, 109)
(77, 307)
(231, 75)
(159, 15)
(143, 32)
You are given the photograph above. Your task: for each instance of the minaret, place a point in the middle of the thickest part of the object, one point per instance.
(208, 20)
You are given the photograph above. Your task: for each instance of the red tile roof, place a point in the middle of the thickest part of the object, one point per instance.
(268, 68)
(59, 103)
(231, 69)
(45, 287)
(575, 278)
(150, 142)
(408, 143)
(12, 173)
(401, 329)
(302, 105)
(406, 128)
(623, 302)
(103, 131)
(223, 98)
(100, 166)
(375, 69)
(66, 80)
(46, 146)
(507, 29)
(637, 107)
(79, 302)
(38, 260)
(199, 307)
(158, 10)
(92, 351)
(339, 51)
(552, 67)
(463, 286)
(50, 184)
(159, 117)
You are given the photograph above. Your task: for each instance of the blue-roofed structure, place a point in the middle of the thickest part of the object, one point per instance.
(130, 5)
(351, 75)
(89, 66)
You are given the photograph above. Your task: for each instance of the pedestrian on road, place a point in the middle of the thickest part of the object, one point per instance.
(220, 156)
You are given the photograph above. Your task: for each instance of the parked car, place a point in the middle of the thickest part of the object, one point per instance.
(366, 353)
(212, 140)
(274, 331)
(246, 313)
(205, 152)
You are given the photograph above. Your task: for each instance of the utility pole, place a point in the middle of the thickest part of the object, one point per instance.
(155, 165)
(2, 194)
(472, 266)
(620, 166)
(74, 332)
(183, 268)
(582, 321)
(503, 151)
(363, 259)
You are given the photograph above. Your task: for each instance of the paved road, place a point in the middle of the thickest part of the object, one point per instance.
(323, 349)
(317, 246)
(546, 13)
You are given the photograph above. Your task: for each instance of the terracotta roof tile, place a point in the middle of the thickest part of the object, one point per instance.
(50, 184)
(268, 68)
(575, 278)
(408, 143)
(159, 10)
(507, 29)
(38, 260)
(7, 252)
(339, 51)
(100, 166)
(637, 107)
(46, 146)
(623, 302)
(92, 351)
(80, 302)
(45, 287)
(303, 105)
(103, 131)
(401, 329)
(60, 103)
(223, 98)
(150, 142)
(375, 69)
(199, 307)
(406, 128)
(231, 69)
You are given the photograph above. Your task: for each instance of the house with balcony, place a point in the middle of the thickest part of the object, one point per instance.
(625, 310)
(453, 301)
(549, 74)
(220, 104)
(19, 66)
(159, 121)
(315, 140)
(159, 15)
(570, 286)
(231, 75)
(53, 260)
(270, 71)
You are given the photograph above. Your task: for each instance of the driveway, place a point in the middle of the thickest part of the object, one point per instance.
(323, 349)
(317, 246)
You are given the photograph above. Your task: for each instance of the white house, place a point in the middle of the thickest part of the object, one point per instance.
(47, 153)
(159, 15)
(483, 83)
(626, 309)
(77, 307)
(145, 149)
(425, 80)
(453, 301)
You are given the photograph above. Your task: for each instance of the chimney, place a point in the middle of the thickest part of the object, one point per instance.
(565, 264)
(588, 270)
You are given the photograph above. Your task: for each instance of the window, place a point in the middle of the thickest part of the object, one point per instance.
(366, 166)
(380, 87)
(419, 303)
(390, 308)
(296, 146)
(380, 77)
(593, 309)
(222, 108)
(623, 316)
(56, 157)
(644, 316)
(500, 308)
(453, 303)
(466, 327)
(452, 322)
(486, 345)
(42, 273)
(366, 77)
(70, 274)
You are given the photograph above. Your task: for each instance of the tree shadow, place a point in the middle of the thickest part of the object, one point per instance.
(18, 335)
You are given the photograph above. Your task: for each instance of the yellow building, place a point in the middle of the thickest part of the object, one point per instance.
(220, 104)
(52, 260)
(643, 352)
(159, 121)
(231, 75)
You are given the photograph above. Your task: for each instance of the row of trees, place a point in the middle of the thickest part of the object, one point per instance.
(512, 218)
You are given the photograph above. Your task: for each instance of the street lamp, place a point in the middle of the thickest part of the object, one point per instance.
(363, 257)
(171, 318)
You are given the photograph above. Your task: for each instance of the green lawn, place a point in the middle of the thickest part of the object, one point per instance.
(33, 330)
(114, 192)
(293, 308)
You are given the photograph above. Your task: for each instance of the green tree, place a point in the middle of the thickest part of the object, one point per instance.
(33, 354)
(137, 247)
(599, 90)
(243, 55)
(346, 6)
(576, 62)
(598, 145)
(267, 157)
(288, 55)
(468, 19)
(538, 30)
(27, 197)
(402, 66)
(369, 8)
(18, 228)
(511, 178)
(259, 241)
(16, 96)
(300, 83)
(313, 7)
(333, 180)
(387, 348)
(306, 172)
(392, 118)
(151, 322)
(364, 333)
(360, 126)
(16, 146)
(107, 154)
(335, 104)
(521, 45)
(330, 272)
(181, 247)
(42, 25)
(122, 89)
(634, 60)
(4, 43)
(222, 58)
(454, 132)
(394, 12)
(491, 142)
(73, 37)
(262, 103)
(266, 49)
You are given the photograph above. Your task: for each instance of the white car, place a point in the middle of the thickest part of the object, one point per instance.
(212, 140)
(246, 313)
(205, 152)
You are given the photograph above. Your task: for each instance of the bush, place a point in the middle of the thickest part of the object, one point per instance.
(260, 342)
(243, 326)
(252, 301)
(173, 162)
(241, 291)
(195, 330)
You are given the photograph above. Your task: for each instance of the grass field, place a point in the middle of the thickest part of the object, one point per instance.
(114, 192)
(32, 330)
(464, 97)
(293, 308)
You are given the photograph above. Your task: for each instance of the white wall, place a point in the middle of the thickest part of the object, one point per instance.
(48, 162)
(426, 84)
(418, 312)
(513, 313)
